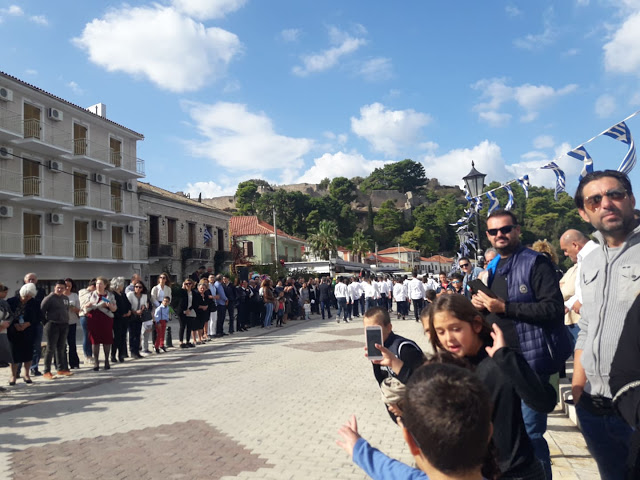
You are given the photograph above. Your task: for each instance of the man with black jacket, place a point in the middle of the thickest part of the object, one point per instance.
(324, 296)
(529, 308)
(230, 292)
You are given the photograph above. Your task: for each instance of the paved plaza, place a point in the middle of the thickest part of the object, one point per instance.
(265, 404)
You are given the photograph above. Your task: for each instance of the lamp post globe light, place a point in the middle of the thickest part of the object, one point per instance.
(474, 180)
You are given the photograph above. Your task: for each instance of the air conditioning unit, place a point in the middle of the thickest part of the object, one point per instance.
(6, 212)
(100, 225)
(130, 186)
(56, 218)
(5, 153)
(6, 94)
(55, 114)
(130, 229)
(100, 178)
(55, 166)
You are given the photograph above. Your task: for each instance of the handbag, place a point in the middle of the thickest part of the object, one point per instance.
(146, 315)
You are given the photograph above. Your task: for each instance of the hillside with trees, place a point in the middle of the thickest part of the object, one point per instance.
(335, 218)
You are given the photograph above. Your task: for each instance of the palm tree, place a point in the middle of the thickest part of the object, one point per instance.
(325, 241)
(359, 245)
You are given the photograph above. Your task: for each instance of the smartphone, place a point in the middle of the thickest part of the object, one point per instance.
(478, 286)
(105, 299)
(373, 336)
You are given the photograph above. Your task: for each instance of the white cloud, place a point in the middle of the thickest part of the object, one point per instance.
(512, 11)
(539, 40)
(376, 69)
(543, 141)
(344, 44)
(39, 19)
(31, 71)
(495, 93)
(75, 88)
(235, 138)
(389, 130)
(13, 10)
(339, 164)
(453, 165)
(171, 50)
(290, 34)
(572, 52)
(622, 52)
(209, 189)
(208, 9)
(605, 105)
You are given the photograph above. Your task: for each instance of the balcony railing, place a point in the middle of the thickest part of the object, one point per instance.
(116, 204)
(80, 146)
(189, 253)
(116, 251)
(32, 245)
(80, 197)
(161, 251)
(31, 186)
(81, 249)
(11, 244)
(10, 181)
(10, 121)
(32, 128)
(115, 158)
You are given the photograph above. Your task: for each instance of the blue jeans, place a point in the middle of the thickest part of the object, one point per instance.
(325, 304)
(536, 424)
(268, 307)
(573, 330)
(37, 346)
(608, 438)
(342, 308)
(369, 304)
(86, 344)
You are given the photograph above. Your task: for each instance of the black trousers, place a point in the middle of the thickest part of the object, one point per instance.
(74, 361)
(418, 305)
(243, 316)
(221, 310)
(184, 326)
(55, 335)
(135, 327)
(230, 312)
(119, 348)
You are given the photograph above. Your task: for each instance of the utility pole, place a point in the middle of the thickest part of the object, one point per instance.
(275, 236)
(398, 256)
(376, 245)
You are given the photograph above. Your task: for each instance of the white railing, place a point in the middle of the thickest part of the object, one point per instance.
(10, 121)
(52, 134)
(81, 249)
(34, 187)
(32, 245)
(11, 244)
(80, 146)
(10, 181)
(31, 186)
(80, 197)
(116, 251)
(32, 128)
(116, 204)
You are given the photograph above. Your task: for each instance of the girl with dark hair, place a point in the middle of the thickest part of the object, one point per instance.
(454, 325)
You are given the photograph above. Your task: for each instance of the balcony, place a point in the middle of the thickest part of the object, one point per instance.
(10, 184)
(10, 125)
(161, 251)
(49, 140)
(81, 249)
(116, 204)
(36, 193)
(189, 253)
(116, 251)
(124, 166)
(32, 245)
(47, 248)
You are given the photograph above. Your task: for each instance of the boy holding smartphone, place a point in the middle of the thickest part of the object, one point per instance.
(407, 354)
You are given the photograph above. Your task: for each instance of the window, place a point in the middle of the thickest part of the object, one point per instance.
(79, 139)
(154, 231)
(32, 234)
(247, 249)
(172, 231)
(81, 237)
(220, 239)
(116, 242)
(80, 192)
(30, 178)
(116, 197)
(31, 121)
(115, 149)
(192, 235)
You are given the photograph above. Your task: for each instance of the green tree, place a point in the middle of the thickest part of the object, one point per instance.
(247, 197)
(436, 218)
(419, 239)
(360, 245)
(388, 222)
(324, 184)
(404, 176)
(292, 209)
(342, 189)
(324, 243)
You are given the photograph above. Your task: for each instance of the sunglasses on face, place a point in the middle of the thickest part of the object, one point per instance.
(593, 202)
(456, 281)
(464, 265)
(503, 230)
(138, 286)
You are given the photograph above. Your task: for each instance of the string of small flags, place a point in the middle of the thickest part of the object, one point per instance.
(620, 131)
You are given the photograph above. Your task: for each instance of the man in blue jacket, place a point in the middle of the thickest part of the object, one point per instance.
(221, 303)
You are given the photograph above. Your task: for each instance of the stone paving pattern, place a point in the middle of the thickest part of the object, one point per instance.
(265, 404)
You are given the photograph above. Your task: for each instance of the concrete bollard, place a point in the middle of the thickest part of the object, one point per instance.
(168, 342)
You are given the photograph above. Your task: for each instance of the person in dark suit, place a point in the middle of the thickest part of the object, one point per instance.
(324, 296)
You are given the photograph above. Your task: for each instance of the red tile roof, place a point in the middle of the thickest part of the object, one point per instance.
(251, 225)
(396, 250)
(372, 258)
(437, 259)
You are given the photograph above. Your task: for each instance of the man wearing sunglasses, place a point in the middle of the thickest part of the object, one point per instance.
(470, 273)
(610, 282)
(529, 308)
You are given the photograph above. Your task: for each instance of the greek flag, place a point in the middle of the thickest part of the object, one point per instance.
(207, 235)
(524, 183)
(493, 202)
(581, 154)
(511, 200)
(560, 180)
(467, 195)
(621, 132)
(478, 204)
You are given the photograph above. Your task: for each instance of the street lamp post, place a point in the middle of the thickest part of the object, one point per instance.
(474, 180)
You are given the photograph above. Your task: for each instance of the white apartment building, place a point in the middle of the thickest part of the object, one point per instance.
(68, 180)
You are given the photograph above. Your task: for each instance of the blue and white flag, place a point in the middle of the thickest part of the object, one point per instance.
(207, 235)
(511, 200)
(478, 204)
(493, 202)
(621, 132)
(524, 183)
(467, 195)
(560, 180)
(581, 154)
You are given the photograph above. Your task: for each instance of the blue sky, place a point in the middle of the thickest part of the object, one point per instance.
(299, 90)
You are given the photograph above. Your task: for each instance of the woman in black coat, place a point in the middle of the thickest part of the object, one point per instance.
(203, 304)
(21, 332)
